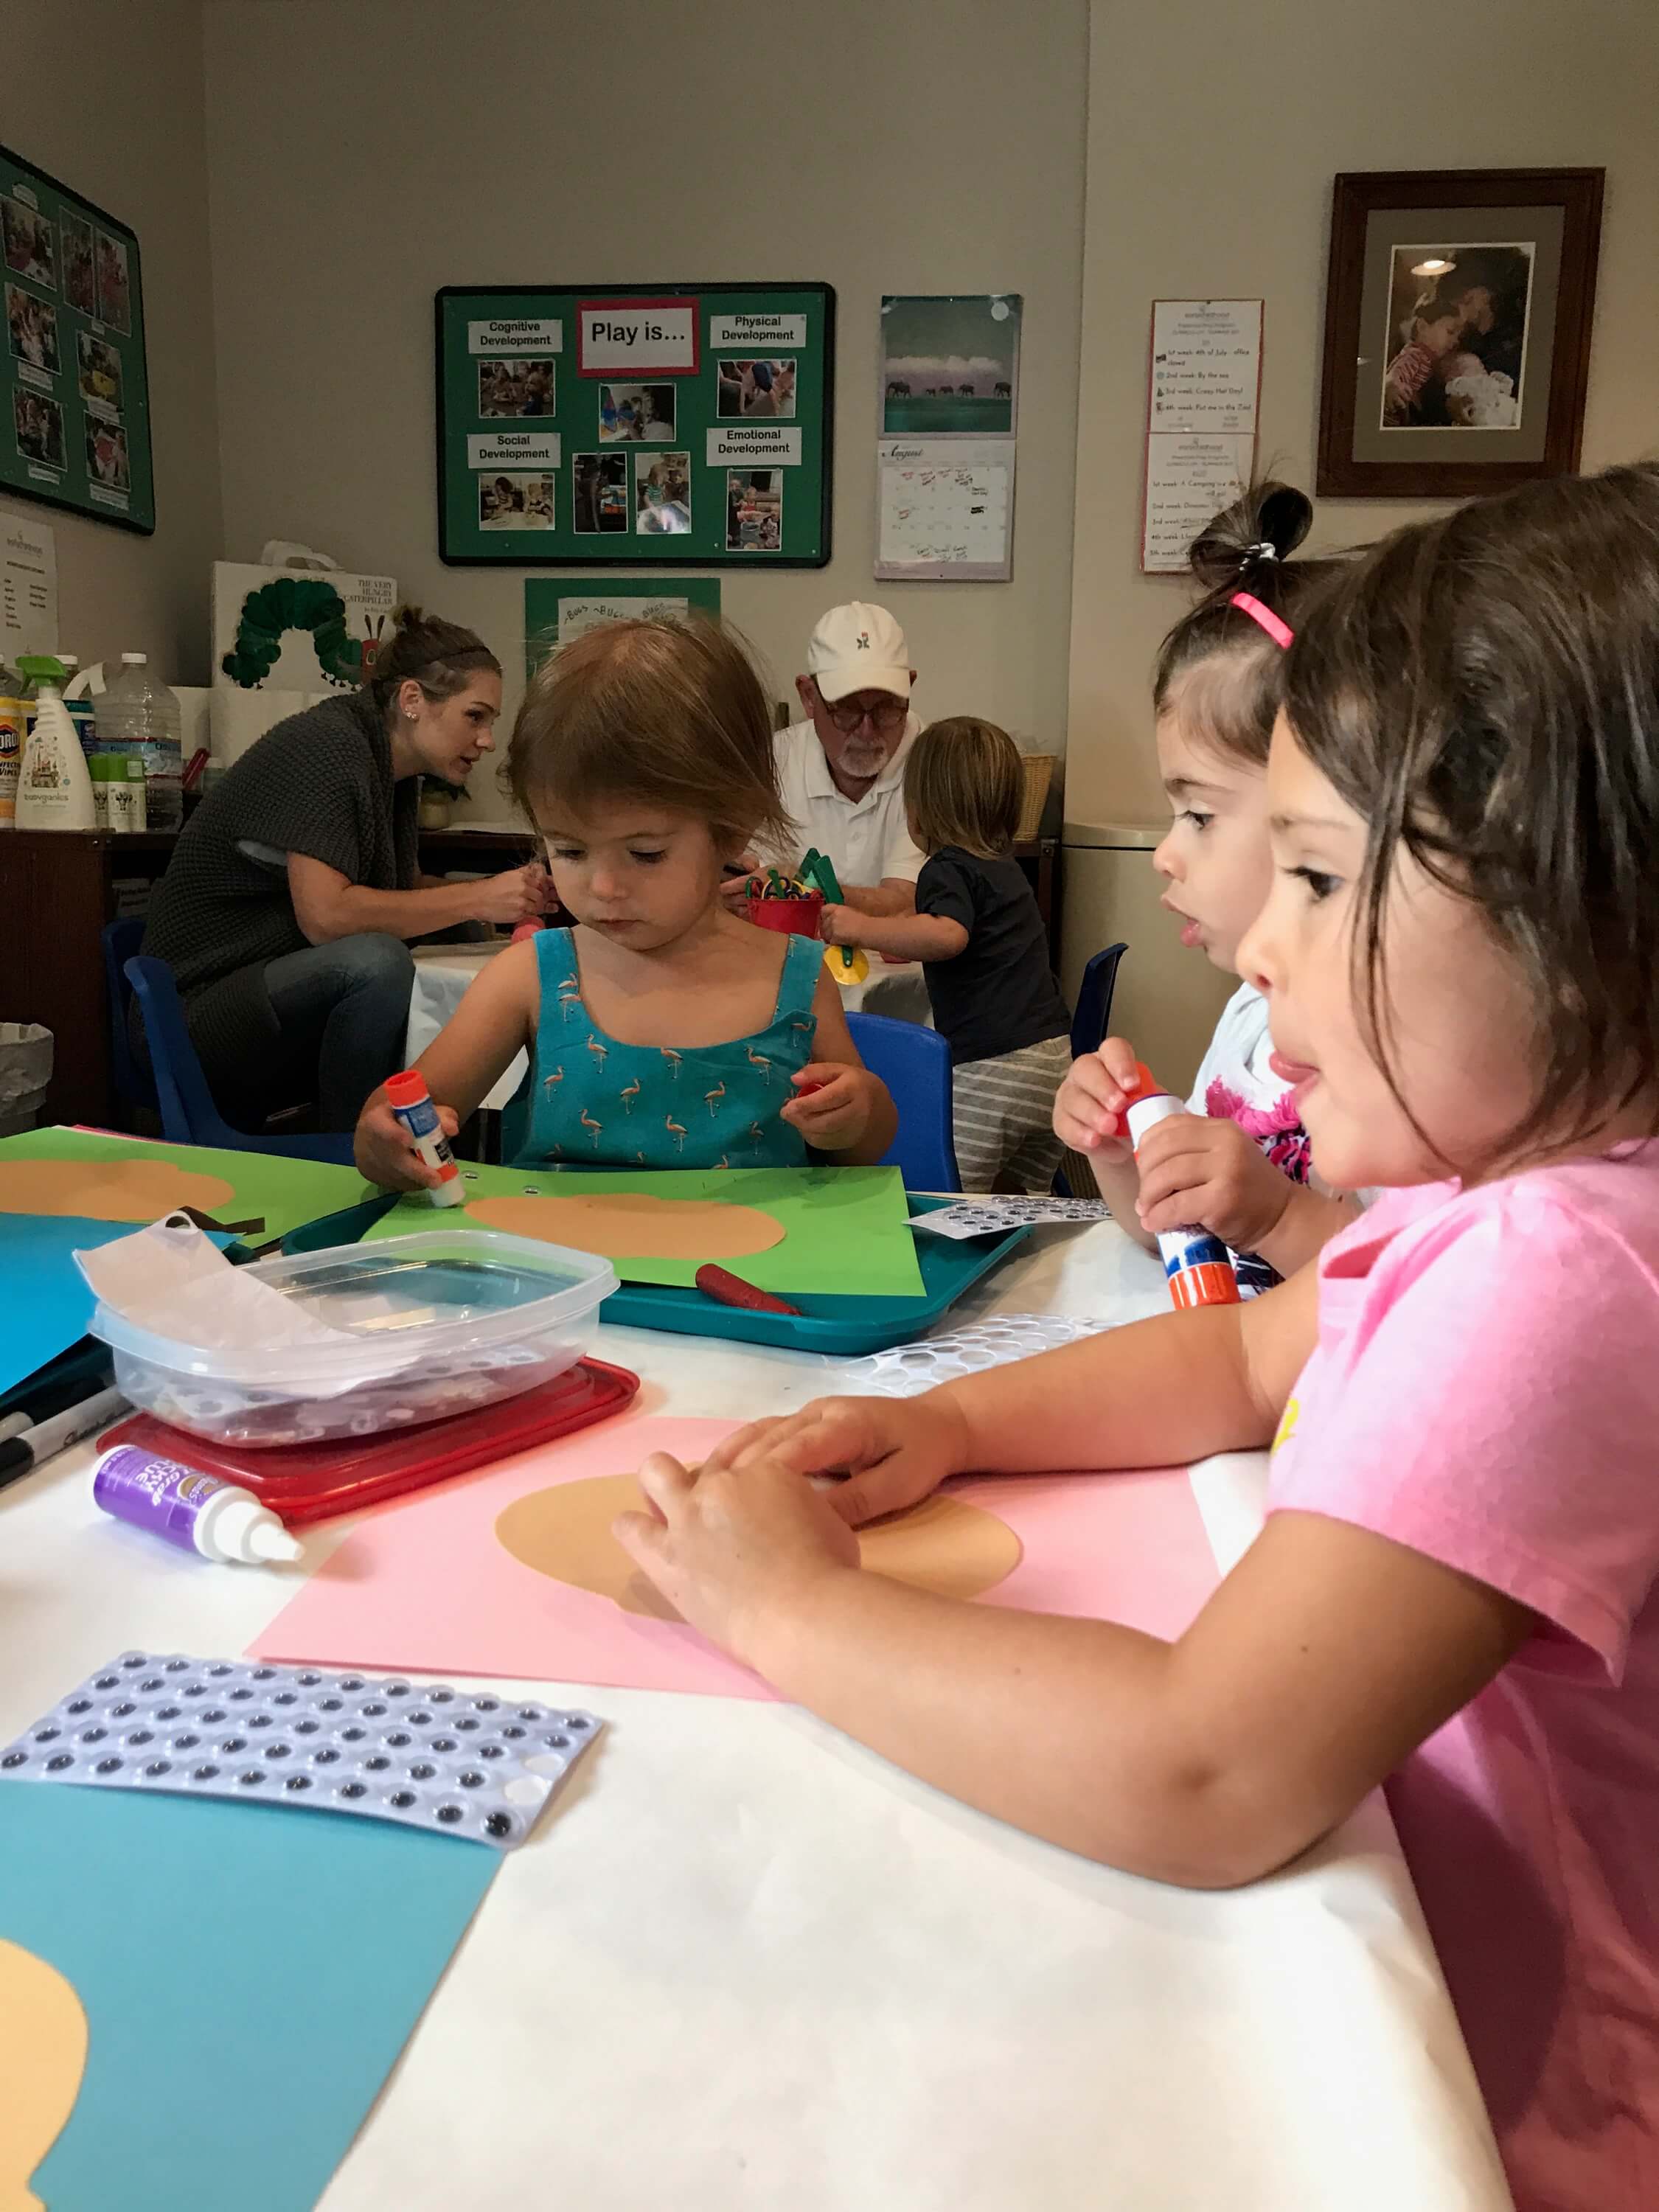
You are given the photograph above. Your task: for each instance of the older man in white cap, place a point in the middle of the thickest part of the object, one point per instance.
(841, 770)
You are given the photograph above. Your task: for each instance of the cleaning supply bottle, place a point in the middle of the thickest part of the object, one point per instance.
(54, 790)
(14, 728)
(76, 699)
(1199, 1266)
(218, 1520)
(141, 716)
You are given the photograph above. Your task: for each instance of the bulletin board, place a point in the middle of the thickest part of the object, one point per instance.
(74, 387)
(655, 426)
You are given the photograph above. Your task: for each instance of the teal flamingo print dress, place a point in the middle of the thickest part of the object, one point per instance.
(595, 1101)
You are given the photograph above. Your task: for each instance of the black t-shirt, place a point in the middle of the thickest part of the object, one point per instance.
(319, 783)
(999, 994)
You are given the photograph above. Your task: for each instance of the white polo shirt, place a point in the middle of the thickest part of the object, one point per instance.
(866, 839)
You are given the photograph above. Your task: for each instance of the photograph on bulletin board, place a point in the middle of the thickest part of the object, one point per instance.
(74, 386)
(639, 426)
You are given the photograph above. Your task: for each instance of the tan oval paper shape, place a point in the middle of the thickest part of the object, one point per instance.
(941, 1545)
(107, 1190)
(621, 1225)
(43, 2055)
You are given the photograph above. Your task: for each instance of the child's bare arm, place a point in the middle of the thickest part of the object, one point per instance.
(842, 1109)
(1159, 1393)
(903, 936)
(462, 1066)
(1328, 1655)
(1088, 1118)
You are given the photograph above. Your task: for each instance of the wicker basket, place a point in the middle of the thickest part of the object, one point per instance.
(1039, 774)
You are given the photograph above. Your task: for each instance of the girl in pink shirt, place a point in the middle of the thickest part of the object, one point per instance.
(1453, 1592)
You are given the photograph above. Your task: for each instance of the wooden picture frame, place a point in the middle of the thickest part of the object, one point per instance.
(1461, 370)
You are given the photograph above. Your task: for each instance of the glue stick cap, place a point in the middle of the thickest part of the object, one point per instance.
(1146, 1086)
(405, 1090)
(1145, 1102)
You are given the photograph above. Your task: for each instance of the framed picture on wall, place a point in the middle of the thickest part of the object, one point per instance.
(1457, 329)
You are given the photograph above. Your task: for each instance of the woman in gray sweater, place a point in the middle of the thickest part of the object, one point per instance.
(286, 909)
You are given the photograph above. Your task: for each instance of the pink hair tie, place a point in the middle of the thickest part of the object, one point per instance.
(1280, 632)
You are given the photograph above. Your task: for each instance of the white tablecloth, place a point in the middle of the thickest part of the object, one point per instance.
(744, 1963)
(442, 973)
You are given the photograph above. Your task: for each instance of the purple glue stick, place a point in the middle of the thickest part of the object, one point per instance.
(198, 1513)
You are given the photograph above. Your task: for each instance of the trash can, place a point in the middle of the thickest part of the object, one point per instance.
(25, 1072)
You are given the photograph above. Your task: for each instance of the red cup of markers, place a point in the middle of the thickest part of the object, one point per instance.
(797, 917)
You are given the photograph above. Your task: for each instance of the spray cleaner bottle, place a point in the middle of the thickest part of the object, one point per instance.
(1200, 1268)
(54, 789)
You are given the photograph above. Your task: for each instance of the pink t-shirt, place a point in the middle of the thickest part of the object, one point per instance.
(1485, 1389)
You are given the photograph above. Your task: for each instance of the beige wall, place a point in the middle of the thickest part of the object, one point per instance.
(362, 155)
(107, 94)
(1212, 141)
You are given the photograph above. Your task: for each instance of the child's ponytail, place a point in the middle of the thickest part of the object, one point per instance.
(1222, 657)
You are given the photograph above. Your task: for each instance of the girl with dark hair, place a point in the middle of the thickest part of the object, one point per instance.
(1456, 1589)
(286, 906)
(1238, 1161)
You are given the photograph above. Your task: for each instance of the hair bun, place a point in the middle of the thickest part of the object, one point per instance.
(407, 616)
(1265, 524)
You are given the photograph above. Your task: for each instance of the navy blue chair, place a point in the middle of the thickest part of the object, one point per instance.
(1092, 1019)
(1090, 1024)
(189, 1116)
(133, 1084)
(914, 1063)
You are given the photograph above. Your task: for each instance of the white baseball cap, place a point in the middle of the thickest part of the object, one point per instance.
(858, 648)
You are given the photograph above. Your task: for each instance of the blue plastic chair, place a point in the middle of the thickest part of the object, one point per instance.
(189, 1116)
(1094, 1001)
(914, 1063)
(134, 1086)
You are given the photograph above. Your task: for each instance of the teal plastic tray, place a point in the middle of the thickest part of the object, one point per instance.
(845, 1327)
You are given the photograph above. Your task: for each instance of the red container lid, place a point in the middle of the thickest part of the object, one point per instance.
(313, 1482)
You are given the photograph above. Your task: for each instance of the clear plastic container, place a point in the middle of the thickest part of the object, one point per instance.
(431, 1325)
(137, 714)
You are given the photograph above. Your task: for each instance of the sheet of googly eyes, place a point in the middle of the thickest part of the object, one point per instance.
(995, 1216)
(904, 1370)
(459, 1762)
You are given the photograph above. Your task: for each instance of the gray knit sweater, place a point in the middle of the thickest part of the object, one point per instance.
(320, 783)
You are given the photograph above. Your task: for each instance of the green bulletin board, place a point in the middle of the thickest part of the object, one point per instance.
(555, 612)
(642, 426)
(74, 389)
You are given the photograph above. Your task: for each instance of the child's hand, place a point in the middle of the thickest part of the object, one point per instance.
(730, 1550)
(1208, 1174)
(836, 1113)
(838, 925)
(384, 1153)
(894, 1452)
(1090, 1105)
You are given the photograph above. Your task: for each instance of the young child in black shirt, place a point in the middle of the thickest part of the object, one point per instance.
(978, 933)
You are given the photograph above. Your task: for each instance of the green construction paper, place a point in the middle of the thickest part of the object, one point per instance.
(846, 1229)
(287, 1193)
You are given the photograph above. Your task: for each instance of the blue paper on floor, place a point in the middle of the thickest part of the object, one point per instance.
(199, 2002)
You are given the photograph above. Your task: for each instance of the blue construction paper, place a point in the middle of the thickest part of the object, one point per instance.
(249, 1974)
(46, 1300)
(45, 1296)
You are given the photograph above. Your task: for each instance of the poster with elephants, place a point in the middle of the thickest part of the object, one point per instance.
(950, 365)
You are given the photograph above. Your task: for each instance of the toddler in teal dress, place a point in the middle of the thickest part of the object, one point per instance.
(664, 1030)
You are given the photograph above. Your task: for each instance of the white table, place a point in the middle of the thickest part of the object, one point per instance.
(442, 973)
(744, 1963)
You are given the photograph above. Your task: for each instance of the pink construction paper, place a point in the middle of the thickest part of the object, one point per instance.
(423, 1586)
